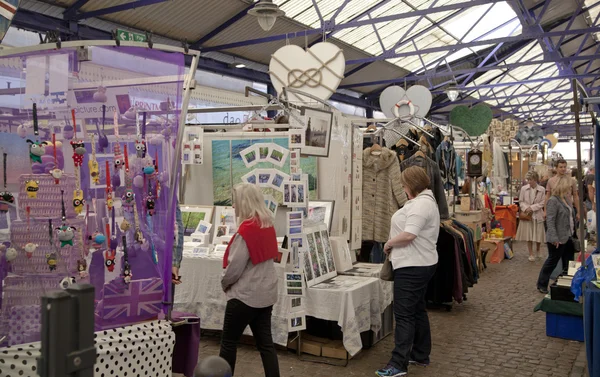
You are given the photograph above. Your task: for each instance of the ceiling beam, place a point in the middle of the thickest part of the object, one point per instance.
(352, 24)
(241, 14)
(71, 10)
(117, 8)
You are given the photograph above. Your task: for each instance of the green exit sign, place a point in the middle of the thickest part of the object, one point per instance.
(127, 36)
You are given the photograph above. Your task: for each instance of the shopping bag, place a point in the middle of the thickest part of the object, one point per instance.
(387, 271)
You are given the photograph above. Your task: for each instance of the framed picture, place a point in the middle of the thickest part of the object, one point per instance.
(250, 156)
(203, 227)
(295, 194)
(297, 321)
(318, 132)
(192, 215)
(278, 155)
(224, 216)
(250, 178)
(321, 211)
(295, 304)
(297, 138)
(282, 257)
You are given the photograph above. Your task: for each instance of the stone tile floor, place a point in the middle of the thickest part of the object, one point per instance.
(494, 333)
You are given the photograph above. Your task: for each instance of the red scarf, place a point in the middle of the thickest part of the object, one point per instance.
(261, 242)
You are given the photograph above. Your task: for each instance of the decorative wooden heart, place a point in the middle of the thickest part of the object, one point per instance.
(317, 71)
(418, 95)
(474, 121)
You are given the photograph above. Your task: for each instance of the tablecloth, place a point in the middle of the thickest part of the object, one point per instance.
(559, 307)
(354, 303)
(144, 349)
(591, 325)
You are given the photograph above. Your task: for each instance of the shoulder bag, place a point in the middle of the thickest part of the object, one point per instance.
(387, 271)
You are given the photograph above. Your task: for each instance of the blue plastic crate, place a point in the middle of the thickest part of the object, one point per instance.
(564, 326)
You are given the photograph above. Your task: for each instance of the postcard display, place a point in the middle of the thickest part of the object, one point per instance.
(94, 202)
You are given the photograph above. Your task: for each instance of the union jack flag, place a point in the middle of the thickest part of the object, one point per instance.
(8, 8)
(137, 301)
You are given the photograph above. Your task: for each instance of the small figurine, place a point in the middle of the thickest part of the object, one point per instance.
(138, 236)
(128, 198)
(78, 201)
(11, 254)
(36, 150)
(97, 240)
(56, 174)
(94, 171)
(150, 204)
(140, 148)
(67, 282)
(109, 260)
(51, 260)
(7, 196)
(65, 235)
(30, 248)
(125, 226)
(32, 188)
(109, 200)
(78, 152)
(119, 161)
(82, 268)
(149, 168)
(127, 275)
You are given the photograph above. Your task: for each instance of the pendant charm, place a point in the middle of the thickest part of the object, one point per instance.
(78, 201)
(109, 260)
(65, 235)
(82, 268)
(109, 201)
(150, 204)
(36, 150)
(97, 240)
(119, 161)
(11, 254)
(30, 249)
(56, 174)
(127, 275)
(94, 171)
(128, 199)
(140, 148)
(51, 260)
(125, 226)
(67, 282)
(78, 152)
(32, 187)
(138, 236)
(7, 197)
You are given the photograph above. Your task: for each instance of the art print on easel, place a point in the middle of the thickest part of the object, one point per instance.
(317, 132)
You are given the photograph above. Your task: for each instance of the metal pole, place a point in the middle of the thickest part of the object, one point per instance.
(575, 109)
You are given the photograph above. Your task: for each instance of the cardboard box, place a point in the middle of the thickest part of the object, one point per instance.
(334, 350)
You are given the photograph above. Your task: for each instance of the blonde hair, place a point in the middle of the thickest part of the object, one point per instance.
(532, 174)
(415, 179)
(563, 186)
(249, 204)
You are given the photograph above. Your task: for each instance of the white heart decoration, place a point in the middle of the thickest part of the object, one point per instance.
(293, 67)
(419, 96)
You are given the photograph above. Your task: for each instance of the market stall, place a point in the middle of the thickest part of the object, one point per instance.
(90, 167)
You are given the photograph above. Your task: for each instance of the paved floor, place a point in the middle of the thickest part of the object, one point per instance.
(494, 333)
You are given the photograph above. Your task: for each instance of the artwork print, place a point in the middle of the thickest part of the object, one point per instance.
(320, 254)
(317, 134)
(229, 168)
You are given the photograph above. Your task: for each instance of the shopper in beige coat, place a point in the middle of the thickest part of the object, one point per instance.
(383, 193)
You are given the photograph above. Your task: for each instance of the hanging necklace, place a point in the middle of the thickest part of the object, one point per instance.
(51, 257)
(78, 153)
(56, 173)
(93, 164)
(30, 246)
(5, 196)
(129, 196)
(127, 275)
(109, 191)
(65, 232)
(110, 254)
(36, 148)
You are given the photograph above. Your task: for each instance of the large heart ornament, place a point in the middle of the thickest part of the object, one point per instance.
(318, 71)
(474, 121)
(503, 131)
(418, 95)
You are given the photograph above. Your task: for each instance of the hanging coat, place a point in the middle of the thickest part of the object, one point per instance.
(383, 194)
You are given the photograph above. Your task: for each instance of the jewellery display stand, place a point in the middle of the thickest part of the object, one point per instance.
(106, 218)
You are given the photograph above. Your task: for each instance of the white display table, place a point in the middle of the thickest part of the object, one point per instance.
(354, 303)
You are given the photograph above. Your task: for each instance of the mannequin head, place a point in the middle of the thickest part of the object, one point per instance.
(249, 203)
(414, 180)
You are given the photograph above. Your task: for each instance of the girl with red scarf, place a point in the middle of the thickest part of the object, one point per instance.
(249, 279)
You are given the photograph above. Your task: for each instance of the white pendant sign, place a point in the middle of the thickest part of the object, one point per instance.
(396, 102)
(317, 71)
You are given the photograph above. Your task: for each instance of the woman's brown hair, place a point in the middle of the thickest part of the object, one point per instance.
(415, 179)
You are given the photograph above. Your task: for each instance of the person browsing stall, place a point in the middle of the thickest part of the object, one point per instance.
(249, 279)
(531, 223)
(559, 220)
(413, 254)
(572, 197)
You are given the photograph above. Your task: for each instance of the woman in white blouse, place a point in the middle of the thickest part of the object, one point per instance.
(531, 203)
(413, 254)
